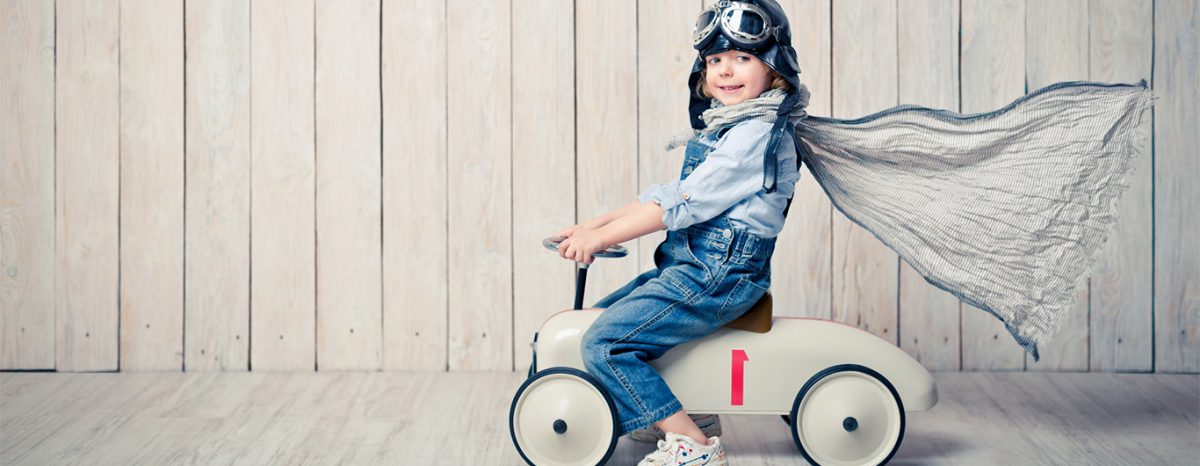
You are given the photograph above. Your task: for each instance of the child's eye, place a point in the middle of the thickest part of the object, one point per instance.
(713, 61)
(743, 58)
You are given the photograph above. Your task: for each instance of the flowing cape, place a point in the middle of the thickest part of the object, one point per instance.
(1005, 210)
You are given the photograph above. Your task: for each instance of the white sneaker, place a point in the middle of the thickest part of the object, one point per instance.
(709, 424)
(679, 450)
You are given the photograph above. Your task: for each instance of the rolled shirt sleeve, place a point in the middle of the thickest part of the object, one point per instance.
(732, 172)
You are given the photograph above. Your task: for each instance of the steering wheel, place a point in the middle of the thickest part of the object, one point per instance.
(613, 251)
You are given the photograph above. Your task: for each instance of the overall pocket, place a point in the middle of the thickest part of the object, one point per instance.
(695, 251)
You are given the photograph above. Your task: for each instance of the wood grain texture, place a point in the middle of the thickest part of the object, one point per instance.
(664, 62)
(927, 44)
(349, 257)
(414, 185)
(87, 177)
(414, 418)
(1121, 332)
(865, 271)
(408, 156)
(1176, 194)
(151, 185)
(543, 177)
(217, 246)
(1056, 49)
(606, 94)
(479, 71)
(27, 228)
(282, 250)
(802, 267)
(993, 75)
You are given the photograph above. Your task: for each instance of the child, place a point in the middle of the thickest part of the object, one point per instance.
(722, 217)
(1005, 210)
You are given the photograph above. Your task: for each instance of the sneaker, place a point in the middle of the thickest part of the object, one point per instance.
(709, 424)
(679, 450)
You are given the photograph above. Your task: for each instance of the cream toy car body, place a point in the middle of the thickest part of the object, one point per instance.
(841, 390)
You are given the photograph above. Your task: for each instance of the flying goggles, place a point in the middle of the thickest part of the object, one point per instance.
(744, 24)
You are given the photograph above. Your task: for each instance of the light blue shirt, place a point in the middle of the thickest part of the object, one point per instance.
(730, 182)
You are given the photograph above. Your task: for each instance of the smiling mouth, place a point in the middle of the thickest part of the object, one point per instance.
(730, 89)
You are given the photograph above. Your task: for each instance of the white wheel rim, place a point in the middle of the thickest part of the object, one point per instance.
(583, 409)
(825, 409)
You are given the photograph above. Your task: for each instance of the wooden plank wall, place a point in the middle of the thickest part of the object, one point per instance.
(992, 53)
(152, 183)
(414, 185)
(27, 210)
(217, 195)
(280, 185)
(927, 49)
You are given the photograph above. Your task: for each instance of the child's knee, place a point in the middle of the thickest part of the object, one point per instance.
(594, 348)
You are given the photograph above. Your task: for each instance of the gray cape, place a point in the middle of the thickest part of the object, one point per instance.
(1005, 210)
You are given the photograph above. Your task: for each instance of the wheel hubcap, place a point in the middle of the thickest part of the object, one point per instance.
(544, 410)
(848, 418)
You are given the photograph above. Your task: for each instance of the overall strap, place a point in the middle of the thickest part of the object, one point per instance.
(782, 124)
(802, 151)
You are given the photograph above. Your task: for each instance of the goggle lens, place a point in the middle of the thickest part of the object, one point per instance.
(746, 23)
(706, 20)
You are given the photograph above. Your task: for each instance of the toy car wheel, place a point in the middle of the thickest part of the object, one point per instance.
(847, 415)
(561, 416)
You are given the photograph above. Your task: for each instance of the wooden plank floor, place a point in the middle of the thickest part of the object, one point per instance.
(461, 418)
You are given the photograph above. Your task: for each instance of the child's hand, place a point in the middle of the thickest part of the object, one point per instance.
(581, 245)
(568, 231)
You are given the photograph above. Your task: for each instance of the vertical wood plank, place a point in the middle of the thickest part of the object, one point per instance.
(802, 267)
(414, 185)
(1121, 331)
(349, 257)
(151, 185)
(1176, 194)
(281, 211)
(87, 110)
(993, 75)
(479, 110)
(664, 61)
(1056, 49)
(27, 228)
(927, 41)
(543, 175)
(217, 245)
(865, 271)
(607, 122)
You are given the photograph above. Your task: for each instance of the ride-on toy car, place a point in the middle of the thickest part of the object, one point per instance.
(841, 390)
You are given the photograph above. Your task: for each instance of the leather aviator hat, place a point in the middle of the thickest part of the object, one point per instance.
(757, 27)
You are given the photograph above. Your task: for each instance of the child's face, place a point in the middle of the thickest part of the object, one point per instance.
(733, 76)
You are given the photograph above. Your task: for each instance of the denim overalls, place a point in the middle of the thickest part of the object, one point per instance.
(707, 275)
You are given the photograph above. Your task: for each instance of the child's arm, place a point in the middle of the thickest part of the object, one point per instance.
(600, 220)
(637, 219)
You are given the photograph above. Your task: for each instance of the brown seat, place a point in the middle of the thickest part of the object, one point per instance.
(757, 319)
